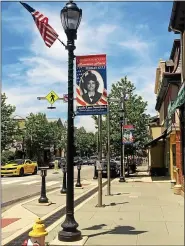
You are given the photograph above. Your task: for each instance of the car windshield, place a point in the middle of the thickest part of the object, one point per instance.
(18, 162)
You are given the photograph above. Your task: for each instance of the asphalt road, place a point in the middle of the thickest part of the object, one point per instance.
(17, 187)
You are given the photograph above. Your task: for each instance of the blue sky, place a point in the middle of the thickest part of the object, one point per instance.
(134, 35)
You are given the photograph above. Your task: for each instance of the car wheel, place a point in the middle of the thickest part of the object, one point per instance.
(35, 171)
(21, 173)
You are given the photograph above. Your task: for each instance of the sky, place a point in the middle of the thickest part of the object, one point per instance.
(133, 35)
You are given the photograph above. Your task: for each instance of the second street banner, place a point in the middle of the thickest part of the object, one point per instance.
(128, 134)
(91, 88)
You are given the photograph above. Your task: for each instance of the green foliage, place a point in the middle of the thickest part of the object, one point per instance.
(135, 109)
(41, 134)
(7, 156)
(85, 142)
(8, 125)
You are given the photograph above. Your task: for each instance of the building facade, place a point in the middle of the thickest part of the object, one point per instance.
(177, 25)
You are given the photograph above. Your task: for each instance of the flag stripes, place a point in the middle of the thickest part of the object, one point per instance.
(48, 34)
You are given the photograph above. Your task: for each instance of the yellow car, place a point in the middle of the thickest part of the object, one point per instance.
(19, 167)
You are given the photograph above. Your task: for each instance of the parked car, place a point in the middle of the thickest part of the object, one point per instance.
(92, 160)
(85, 160)
(78, 161)
(60, 161)
(19, 167)
(114, 169)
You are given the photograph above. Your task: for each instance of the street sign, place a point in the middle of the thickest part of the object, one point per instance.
(52, 97)
(65, 96)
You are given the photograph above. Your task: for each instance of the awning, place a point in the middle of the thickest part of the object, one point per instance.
(154, 141)
(178, 102)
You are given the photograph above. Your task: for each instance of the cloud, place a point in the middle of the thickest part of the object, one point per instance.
(41, 69)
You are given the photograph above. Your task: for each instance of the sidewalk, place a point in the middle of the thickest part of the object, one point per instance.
(136, 214)
(21, 217)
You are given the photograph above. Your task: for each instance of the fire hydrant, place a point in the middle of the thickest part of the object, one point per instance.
(37, 235)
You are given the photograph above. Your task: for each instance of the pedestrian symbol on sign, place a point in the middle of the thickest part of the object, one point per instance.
(52, 97)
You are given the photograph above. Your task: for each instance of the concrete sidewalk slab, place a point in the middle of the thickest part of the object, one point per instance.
(153, 217)
(29, 210)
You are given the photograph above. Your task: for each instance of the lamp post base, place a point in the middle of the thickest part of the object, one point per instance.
(43, 200)
(63, 191)
(69, 236)
(78, 185)
(122, 179)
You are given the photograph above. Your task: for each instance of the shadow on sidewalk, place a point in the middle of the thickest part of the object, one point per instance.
(160, 178)
(117, 230)
(114, 204)
(118, 194)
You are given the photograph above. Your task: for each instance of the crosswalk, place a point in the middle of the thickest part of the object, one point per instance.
(6, 182)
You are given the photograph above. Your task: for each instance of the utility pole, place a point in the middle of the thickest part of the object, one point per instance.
(99, 168)
(108, 151)
(122, 122)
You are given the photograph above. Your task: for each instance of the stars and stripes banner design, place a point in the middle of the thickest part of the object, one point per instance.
(47, 32)
(128, 137)
(91, 85)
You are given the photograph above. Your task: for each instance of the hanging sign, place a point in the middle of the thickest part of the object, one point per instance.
(91, 85)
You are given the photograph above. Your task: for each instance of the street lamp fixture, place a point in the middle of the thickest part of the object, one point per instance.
(70, 18)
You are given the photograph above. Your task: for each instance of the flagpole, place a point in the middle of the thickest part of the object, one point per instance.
(61, 42)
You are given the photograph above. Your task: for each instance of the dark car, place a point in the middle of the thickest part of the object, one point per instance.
(85, 160)
(92, 160)
(114, 169)
(60, 160)
(78, 161)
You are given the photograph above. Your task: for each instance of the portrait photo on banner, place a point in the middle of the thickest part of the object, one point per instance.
(91, 86)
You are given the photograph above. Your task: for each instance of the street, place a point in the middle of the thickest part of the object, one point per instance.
(17, 187)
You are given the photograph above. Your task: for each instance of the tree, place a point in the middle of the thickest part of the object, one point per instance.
(135, 109)
(8, 125)
(85, 142)
(41, 134)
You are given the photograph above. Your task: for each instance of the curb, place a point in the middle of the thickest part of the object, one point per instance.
(49, 220)
(13, 202)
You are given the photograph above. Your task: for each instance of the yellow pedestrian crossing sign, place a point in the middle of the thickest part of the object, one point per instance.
(52, 97)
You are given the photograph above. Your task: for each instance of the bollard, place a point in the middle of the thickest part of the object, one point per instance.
(43, 198)
(37, 235)
(55, 167)
(99, 168)
(95, 172)
(64, 188)
(78, 184)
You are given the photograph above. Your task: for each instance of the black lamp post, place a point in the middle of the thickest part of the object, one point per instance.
(122, 176)
(70, 18)
(78, 183)
(43, 198)
(64, 188)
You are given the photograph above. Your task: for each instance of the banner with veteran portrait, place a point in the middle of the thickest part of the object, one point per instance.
(128, 137)
(91, 85)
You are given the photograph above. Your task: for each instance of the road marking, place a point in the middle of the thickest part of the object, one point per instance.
(11, 181)
(52, 183)
(31, 182)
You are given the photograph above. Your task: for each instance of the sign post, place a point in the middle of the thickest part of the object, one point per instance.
(99, 169)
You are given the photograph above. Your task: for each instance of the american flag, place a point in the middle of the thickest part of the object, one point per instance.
(47, 32)
(79, 73)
